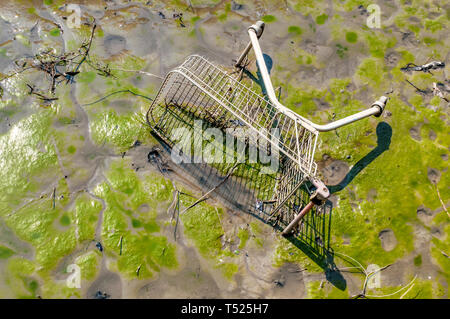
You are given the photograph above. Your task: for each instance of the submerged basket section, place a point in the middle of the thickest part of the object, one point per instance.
(199, 90)
(207, 92)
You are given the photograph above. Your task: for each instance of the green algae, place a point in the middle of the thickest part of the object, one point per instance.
(306, 7)
(128, 62)
(364, 228)
(120, 131)
(71, 149)
(243, 236)
(203, 226)
(268, 18)
(378, 44)
(296, 30)
(52, 289)
(440, 248)
(64, 220)
(202, 2)
(316, 291)
(351, 37)
(228, 270)
(5, 252)
(302, 101)
(376, 218)
(86, 77)
(18, 273)
(421, 289)
(350, 5)
(55, 32)
(21, 157)
(257, 234)
(370, 72)
(286, 252)
(123, 195)
(321, 19)
(418, 260)
(35, 224)
(88, 264)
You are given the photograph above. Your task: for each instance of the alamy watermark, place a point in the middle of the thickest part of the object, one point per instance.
(374, 19)
(74, 19)
(74, 279)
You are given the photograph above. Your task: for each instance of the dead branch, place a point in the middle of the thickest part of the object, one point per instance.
(140, 72)
(87, 48)
(51, 63)
(40, 96)
(438, 92)
(205, 196)
(117, 92)
(434, 65)
(417, 89)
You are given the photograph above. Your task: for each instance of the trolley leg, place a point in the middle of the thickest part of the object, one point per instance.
(243, 55)
(259, 28)
(297, 219)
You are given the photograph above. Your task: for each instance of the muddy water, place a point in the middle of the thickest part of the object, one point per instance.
(68, 147)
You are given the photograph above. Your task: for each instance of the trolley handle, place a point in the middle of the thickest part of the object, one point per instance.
(255, 31)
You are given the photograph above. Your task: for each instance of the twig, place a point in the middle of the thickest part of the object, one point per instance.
(434, 65)
(438, 92)
(16, 73)
(48, 62)
(440, 199)
(54, 195)
(138, 270)
(117, 92)
(140, 72)
(204, 197)
(41, 96)
(174, 198)
(191, 7)
(178, 216)
(418, 90)
(86, 53)
(120, 245)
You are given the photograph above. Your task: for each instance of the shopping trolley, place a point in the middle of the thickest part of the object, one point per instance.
(202, 90)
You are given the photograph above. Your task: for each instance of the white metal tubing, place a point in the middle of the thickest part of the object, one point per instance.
(376, 109)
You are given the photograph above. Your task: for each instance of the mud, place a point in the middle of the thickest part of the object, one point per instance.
(333, 170)
(388, 239)
(414, 132)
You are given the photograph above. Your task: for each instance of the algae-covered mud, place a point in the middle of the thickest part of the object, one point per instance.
(87, 190)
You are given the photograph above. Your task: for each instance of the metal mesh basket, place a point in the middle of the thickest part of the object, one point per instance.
(200, 90)
(204, 91)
